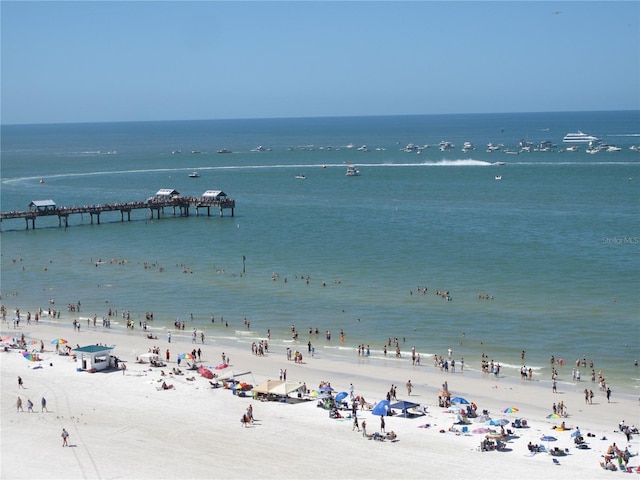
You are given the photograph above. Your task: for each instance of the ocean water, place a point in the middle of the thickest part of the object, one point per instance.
(555, 242)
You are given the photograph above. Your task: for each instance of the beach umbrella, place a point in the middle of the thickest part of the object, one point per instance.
(222, 366)
(509, 410)
(381, 408)
(480, 430)
(494, 435)
(59, 341)
(496, 422)
(29, 356)
(341, 396)
(460, 401)
(187, 356)
(553, 415)
(576, 433)
(548, 438)
(5, 338)
(205, 372)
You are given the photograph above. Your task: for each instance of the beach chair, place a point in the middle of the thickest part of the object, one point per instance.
(465, 429)
(556, 461)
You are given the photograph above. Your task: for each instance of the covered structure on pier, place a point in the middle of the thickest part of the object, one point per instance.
(42, 205)
(214, 195)
(166, 193)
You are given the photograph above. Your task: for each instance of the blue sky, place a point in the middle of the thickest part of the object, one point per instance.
(128, 61)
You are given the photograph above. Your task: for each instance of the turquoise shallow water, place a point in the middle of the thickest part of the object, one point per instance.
(555, 242)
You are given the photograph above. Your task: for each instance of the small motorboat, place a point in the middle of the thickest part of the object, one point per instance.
(301, 176)
(194, 175)
(352, 171)
(498, 177)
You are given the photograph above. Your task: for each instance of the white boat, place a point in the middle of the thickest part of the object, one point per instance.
(579, 137)
(194, 175)
(302, 176)
(498, 177)
(573, 148)
(352, 171)
(468, 146)
(613, 148)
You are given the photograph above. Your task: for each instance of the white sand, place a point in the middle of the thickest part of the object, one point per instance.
(121, 426)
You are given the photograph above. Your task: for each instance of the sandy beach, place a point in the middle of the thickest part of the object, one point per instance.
(121, 425)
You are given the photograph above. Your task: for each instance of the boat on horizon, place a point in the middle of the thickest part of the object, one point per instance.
(579, 137)
(194, 175)
(301, 176)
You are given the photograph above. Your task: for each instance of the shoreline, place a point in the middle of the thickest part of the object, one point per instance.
(240, 339)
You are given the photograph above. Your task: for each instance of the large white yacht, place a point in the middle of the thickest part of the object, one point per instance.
(579, 137)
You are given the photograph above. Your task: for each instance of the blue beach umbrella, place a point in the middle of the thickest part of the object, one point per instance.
(382, 408)
(496, 422)
(548, 438)
(341, 396)
(460, 401)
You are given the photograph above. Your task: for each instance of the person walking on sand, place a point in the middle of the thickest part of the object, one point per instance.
(169, 337)
(19, 405)
(65, 438)
(364, 428)
(20, 384)
(382, 425)
(409, 387)
(355, 424)
(608, 395)
(43, 405)
(29, 406)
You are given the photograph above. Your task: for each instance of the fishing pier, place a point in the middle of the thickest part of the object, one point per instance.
(164, 199)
